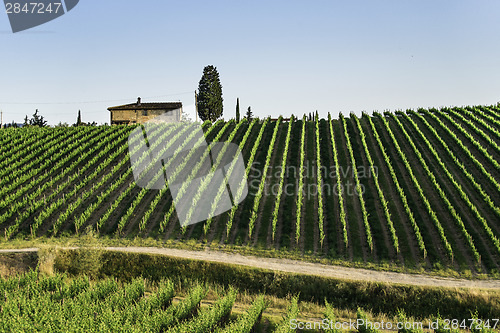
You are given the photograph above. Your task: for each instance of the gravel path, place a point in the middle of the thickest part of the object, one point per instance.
(33, 249)
(302, 267)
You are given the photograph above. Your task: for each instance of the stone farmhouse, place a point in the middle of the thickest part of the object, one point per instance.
(138, 113)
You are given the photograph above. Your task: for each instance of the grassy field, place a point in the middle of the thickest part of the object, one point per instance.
(416, 189)
(109, 291)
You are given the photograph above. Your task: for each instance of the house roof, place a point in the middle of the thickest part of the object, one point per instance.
(147, 106)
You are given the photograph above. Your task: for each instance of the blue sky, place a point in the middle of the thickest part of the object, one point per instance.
(279, 57)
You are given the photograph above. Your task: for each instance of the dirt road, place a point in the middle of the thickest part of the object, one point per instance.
(295, 266)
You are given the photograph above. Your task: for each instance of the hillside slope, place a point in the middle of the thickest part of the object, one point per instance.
(415, 188)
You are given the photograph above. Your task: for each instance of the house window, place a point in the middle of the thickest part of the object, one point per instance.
(144, 112)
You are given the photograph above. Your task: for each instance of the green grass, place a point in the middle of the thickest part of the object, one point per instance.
(377, 297)
(82, 270)
(89, 241)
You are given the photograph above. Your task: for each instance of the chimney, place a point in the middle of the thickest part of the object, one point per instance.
(138, 101)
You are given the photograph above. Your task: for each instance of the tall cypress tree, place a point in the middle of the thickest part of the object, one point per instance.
(210, 95)
(237, 109)
(79, 119)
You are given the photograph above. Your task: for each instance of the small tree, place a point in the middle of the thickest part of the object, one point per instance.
(210, 105)
(26, 121)
(237, 109)
(185, 118)
(37, 120)
(13, 124)
(249, 113)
